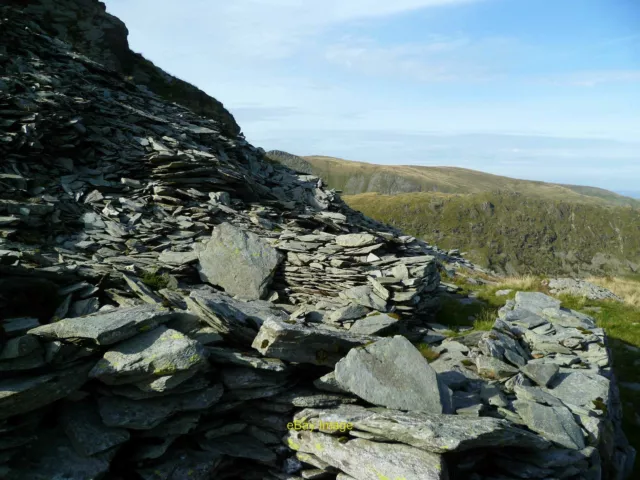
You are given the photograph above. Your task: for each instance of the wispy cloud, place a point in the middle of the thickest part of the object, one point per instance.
(438, 59)
(262, 29)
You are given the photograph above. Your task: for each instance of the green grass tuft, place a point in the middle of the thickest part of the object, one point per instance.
(427, 352)
(156, 281)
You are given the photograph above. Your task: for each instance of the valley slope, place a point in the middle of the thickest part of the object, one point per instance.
(512, 226)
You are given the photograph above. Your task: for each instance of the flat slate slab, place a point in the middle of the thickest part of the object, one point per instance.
(376, 324)
(298, 343)
(555, 423)
(438, 433)
(392, 373)
(21, 395)
(146, 414)
(366, 460)
(106, 328)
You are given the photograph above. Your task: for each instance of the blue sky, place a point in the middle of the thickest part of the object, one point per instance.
(537, 89)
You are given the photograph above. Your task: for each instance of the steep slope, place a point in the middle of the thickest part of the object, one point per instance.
(515, 233)
(87, 26)
(353, 178)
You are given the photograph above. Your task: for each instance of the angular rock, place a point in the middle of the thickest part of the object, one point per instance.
(555, 423)
(147, 414)
(536, 302)
(21, 395)
(296, 343)
(238, 261)
(493, 368)
(582, 389)
(365, 296)
(375, 460)
(376, 324)
(230, 317)
(356, 240)
(541, 373)
(436, 433)
(106, 328)
(158, 353)
(350, 312)
(393, 373)
(227, 356)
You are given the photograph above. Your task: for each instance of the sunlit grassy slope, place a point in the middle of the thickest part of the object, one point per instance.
(517, 233)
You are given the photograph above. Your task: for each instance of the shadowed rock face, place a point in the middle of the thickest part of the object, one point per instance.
(27, 297)
(103, 38)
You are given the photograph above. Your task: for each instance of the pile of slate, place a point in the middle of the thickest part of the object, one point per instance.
(170, 302)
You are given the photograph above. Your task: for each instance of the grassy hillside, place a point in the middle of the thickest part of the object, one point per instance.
(517, 233)
(353, 178)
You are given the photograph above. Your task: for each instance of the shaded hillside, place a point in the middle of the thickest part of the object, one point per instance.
(92, 31)
(292, 161)
(358, 177)
(517, 233)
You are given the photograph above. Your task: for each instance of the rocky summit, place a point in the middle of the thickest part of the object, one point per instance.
(174, 306)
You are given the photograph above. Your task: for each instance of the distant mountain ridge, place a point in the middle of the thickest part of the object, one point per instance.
(512, 226)
(354, 178)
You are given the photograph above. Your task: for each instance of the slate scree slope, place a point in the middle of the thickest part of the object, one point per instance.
(267, 304)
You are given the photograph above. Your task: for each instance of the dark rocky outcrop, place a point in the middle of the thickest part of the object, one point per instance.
(92, 31)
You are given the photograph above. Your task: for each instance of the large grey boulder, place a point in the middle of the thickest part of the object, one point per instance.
(159, 353)
(366, 460)
(233, 318)
(436, 433)
(106, 328)
(297, 343)
(392, 373)
(239, 261)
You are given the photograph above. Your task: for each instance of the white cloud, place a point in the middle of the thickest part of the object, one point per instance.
(439, 59)
(256, 29)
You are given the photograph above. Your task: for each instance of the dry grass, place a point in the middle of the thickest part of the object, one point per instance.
(521, 282)
(626, 288)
